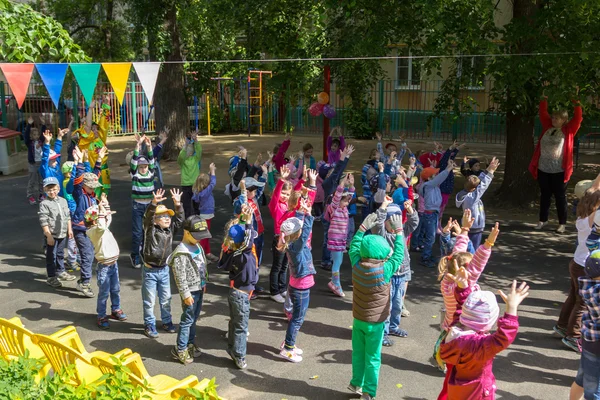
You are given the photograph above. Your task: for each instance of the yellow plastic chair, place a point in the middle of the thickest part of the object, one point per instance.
(64, 348)
(160, 387)
(183, 394)
(15, 339)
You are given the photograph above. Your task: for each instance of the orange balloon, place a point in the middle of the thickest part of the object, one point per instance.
(323, 98)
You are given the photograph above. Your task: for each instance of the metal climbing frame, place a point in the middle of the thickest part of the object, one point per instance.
(255, 100)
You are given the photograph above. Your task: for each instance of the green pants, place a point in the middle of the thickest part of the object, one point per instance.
(366, 355)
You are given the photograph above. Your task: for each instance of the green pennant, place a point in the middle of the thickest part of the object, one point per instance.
(87, 77)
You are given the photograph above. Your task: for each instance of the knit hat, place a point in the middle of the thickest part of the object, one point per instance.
(67, 167)
(480, 311)
(375, 247)
(428, 173)
(472, 161)
(291, 226)
(592, 264)
(581, 187)
(91, 214)
(393, 209)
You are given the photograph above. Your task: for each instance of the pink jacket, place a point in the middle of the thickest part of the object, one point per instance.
(471, 354)
(475, 268)
(277, 207)
(279, 158)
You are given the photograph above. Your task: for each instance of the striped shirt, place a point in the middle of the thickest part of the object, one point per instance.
(338, 222)
(475, 268)
(142, 186)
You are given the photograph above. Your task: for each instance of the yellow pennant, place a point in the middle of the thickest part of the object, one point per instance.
(118, 75)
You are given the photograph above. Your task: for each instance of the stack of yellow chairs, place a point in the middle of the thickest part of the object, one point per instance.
(64, 348)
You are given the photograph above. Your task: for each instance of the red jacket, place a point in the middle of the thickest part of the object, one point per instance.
(471, 356)
(569, 130)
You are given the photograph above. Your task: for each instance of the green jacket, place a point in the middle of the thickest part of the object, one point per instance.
(190, 168)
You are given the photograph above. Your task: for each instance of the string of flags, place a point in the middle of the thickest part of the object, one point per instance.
(18, 76)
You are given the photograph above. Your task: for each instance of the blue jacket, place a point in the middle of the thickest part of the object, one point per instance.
(399, 196)
(298, 253)
(447, 187)
(46, 171)
(242, 264)
(431, 193)
(83, 200)
(472, 201)
(205, 197)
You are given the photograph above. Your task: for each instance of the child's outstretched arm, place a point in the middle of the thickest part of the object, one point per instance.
(572, 127)
(179, 213)
(391, 265)
(545, 118)
(441, 177)
(462, 240)
(367, 224)
(486, 178)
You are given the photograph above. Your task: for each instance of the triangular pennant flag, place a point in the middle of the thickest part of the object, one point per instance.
(18, 77)
(147, 73)
(53, 76)
(86, 76)
(118, 75)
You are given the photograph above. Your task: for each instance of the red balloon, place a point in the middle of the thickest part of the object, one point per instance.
(315, 109)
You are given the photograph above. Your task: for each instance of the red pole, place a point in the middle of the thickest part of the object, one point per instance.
(327, 75)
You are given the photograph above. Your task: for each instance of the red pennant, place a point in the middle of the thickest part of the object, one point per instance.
(18, 77)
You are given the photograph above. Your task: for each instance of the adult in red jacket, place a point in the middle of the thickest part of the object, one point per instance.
(552, 161)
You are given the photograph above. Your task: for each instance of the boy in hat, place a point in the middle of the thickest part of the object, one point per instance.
(158, 242)
(50, 164)
(188, 263)
(251, 191)
(431, 195)
(142, 186)
(55, 220)
(97, 220)
(240, 260)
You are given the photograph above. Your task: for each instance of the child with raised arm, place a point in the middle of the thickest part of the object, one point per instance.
(50, 164)
(470, 198)
(391, 154)
(203, 197)
(189, 266)
(188, 160)
(279, 153)
(106, 250)
(335, 145)
(373, 265)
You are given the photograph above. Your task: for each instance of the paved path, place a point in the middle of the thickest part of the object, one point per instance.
(535, 367)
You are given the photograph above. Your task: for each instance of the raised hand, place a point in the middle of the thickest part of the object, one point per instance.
(343, 180)
(247, 214)
(455, 228)
(148, 143)
(285, 172)
(292, 158)
(412, 161)
(77, 154)
(159, 196)
(62, 133)
(493, 165)
(47, 136)
(462, 276)
(350, 180)
(448, 226)
(102, 152)
(378, 136)
(408, 206)
(493, 235)
(212, 168)
(348, 150)
(270, 155)
(465, 159)
(176, 196)
(369, 222)
(392, 157)
(386, 202)
(467, 221)
(380, 166)
(312, 176)
(259, 159)
(396, 223)
(451, 165)
(264, 169)
(515, 297)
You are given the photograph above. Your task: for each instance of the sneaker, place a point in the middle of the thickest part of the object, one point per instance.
(337, 290)
(72, 267)
(387, 342)
(134, 262)
(278, 298)
(572, 343)
(355, 389)
(405, 312)
(283, 294)
(297, 350)
(561, 331)
(212, 257)
(326, 267)
(366, 396)
(103, 323)
(290, 355)
(150, 331)
(194, 351)
(561, 228)
(240, 362)
(254, 295)
(119, 315)
(540, 225)
(427, 264)
(169, 327)
(399, 332)
(54, 282)
(85, 288)
(32, 201)
(63, 276)
(181, 355)
(259, 289)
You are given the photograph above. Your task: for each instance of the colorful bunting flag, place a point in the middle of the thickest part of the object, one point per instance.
(147, 73)
(86, 76)
(53, 76)
(118, 75)
(18, 77)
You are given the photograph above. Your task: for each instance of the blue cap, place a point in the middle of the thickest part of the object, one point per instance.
(50, 181)
(237, 233)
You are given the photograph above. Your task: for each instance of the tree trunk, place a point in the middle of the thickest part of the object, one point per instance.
(170, 103)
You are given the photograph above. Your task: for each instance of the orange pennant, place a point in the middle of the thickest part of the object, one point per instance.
(118, 75)
(18, 77)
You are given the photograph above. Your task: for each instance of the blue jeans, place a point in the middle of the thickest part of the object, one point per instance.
(415, 239)
(239, 314)
(326, 255)
(156, 280)
(397, 293)
(300, 299)
(351, 230)
(187, 326)
(428, 230)
(86, 251)
(137, 229)
(259, 243)
(108, 284)
(475, 239)
(55, 257)
(588, 375)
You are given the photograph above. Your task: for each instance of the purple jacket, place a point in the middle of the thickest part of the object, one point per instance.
(205, 197)
(471, 356)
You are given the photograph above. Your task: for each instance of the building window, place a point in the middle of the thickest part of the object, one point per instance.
(408, 71)
(474, 70)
